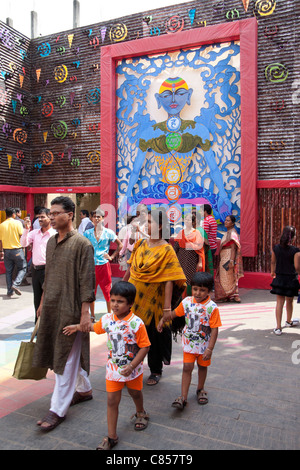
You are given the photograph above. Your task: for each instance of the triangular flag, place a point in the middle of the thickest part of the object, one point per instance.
(246, 4)
(21, 77)
(103, 33)
(38, 73)
(45, 136)
(9, 159)
(14, 105)
(72, 96)
(70, 39)
(192, 15)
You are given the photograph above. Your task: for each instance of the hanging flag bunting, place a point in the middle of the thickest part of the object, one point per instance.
(192, 15)
(70, 39)
(72, 96)
(21, 77)
(14, 105)
(38, 73)
(45, 134)
(103, 33)
(9, 160)
(246, 4)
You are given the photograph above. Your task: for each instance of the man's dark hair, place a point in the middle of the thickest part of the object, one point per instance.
(207, 208)
(124, 289)
(44, 210)
(85, 212)
(17, 209)
(67, 204)
(9, 211)
(203, 280)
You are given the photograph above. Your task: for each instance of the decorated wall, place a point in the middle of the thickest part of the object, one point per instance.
(50, 104)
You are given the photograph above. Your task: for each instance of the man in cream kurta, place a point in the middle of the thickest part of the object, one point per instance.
(68, 291)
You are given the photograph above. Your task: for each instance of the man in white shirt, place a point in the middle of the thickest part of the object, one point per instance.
(38, 239)
(84, 214)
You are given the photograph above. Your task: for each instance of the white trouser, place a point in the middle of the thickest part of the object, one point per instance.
(73, 378)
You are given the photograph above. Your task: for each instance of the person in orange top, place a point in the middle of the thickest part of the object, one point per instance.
(128, 344)
(199, 335)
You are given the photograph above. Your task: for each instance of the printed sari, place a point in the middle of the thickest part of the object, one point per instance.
(226, 280)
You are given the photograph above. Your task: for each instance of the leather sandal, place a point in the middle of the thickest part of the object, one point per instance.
(141, 420)
(107, 443)
(202, 397)
(52, 419)
(78, 398)
(179, 403)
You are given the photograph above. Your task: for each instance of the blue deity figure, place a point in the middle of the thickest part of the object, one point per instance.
(173, 143)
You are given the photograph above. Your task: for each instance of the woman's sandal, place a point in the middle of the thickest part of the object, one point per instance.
(141, 420)
(52, 419)
(202, 397)
(107, 443)
(179, 403)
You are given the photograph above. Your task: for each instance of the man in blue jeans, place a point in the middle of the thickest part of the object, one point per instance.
(12, 252)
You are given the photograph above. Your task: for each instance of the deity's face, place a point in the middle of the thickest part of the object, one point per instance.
(173, 101)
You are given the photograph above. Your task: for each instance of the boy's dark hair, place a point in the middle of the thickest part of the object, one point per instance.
(207, 208)
(124, 289)
(67, 204)
(85, 212)
(203, 280)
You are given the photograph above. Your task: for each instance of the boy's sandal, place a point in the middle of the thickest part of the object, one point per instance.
(141, 420)
(153, 379)
(52, 419)
(107, 443)
(202, 397)
(179, 403)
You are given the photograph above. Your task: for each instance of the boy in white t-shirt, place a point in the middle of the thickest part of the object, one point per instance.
(199, 335)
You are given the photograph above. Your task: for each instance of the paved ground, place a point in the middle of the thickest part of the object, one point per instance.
(253, 385)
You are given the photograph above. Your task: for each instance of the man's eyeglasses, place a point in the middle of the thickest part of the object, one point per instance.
(55, 213)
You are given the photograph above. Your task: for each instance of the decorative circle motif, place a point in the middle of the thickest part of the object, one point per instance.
(47, 109)
(276, 73)
(60, 73)
(61, 101)
(93, 96)
(173, 193)
(118, 32)
(20, 136)
(174, 214)
(44, 49)
(173, 124)
(94, 156)
(47, 157)
(172, 176)
(59, 129)
(174, 24)
(265, 7)
(173, 141)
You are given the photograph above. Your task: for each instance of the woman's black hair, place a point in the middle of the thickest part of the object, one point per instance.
(124, 289)
(288, 233)
(203, 280)
(232, 218)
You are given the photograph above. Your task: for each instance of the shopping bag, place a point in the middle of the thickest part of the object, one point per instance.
(23, 367)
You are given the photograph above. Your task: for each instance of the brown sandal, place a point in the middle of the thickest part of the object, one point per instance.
(78, 398)
(107, 443)
(141, 420)
(179, 403)
(52, 419)
(202, 397)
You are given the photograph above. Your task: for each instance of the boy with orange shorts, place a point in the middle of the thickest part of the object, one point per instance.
(199, 335)
(128, 344)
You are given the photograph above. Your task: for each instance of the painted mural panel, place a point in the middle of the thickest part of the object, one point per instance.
(179, 130)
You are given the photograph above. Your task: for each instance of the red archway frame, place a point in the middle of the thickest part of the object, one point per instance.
(246, 32)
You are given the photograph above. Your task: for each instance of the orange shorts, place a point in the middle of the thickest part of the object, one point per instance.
(190, 358)
(135, 384)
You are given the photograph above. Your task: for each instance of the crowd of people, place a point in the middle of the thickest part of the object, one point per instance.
(168, 286)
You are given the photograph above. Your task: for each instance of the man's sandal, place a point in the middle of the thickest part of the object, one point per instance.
(141, 420)
(52, 419)
(179, 403)
(79, 398)
(153, 379)
(202, 397)
(107, 443)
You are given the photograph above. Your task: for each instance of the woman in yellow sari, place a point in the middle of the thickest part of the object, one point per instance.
(230, 268)
(159, 280)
